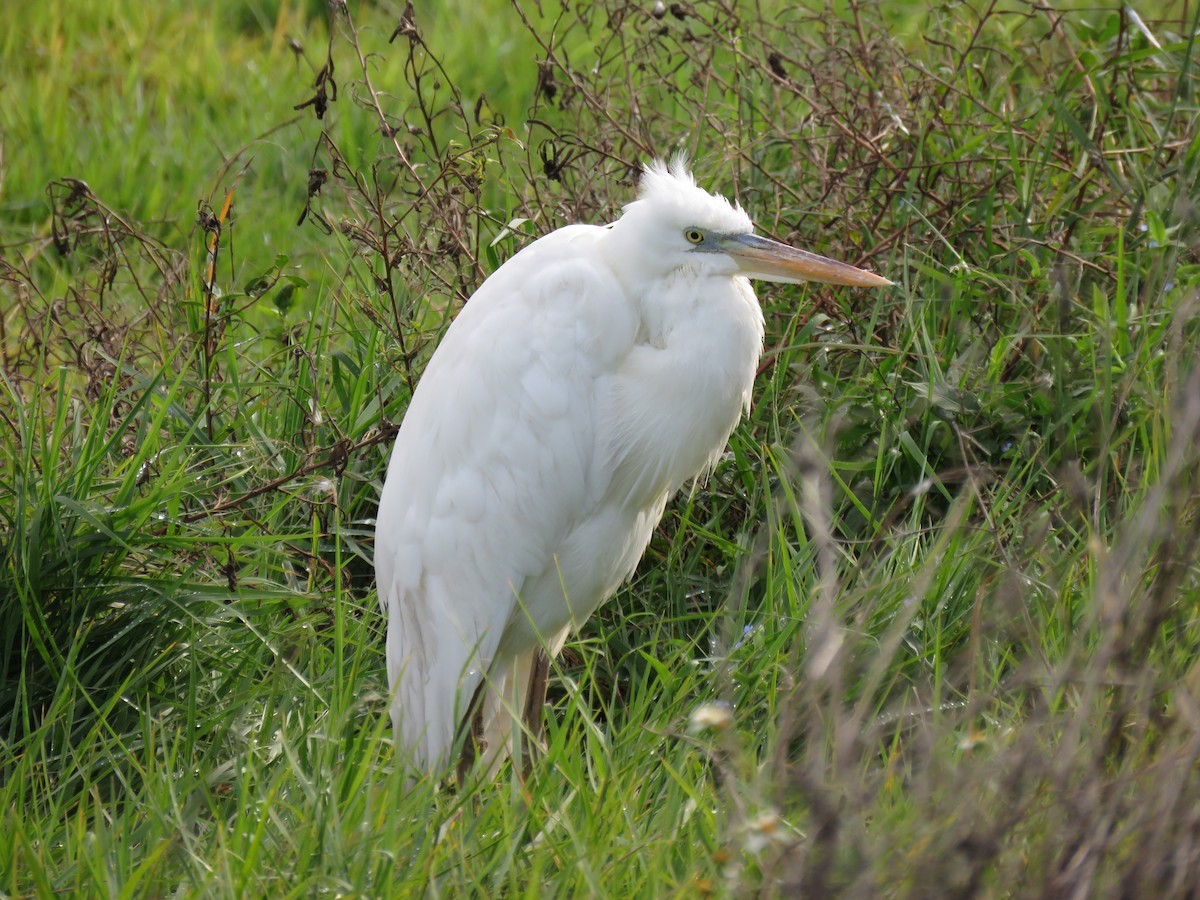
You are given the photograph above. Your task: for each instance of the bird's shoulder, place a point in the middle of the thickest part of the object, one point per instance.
(563, 275)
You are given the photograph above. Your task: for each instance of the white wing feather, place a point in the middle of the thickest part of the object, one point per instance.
(493, 465)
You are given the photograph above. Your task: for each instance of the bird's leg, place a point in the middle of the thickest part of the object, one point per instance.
(535, 700)
(473, 743)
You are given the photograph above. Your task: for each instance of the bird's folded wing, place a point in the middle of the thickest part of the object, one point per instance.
(493, 464)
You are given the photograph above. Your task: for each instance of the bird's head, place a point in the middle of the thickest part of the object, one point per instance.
(676, 224)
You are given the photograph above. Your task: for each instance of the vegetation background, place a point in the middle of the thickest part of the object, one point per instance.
(930, 629)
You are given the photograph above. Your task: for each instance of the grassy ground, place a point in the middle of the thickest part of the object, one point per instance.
(938, 604)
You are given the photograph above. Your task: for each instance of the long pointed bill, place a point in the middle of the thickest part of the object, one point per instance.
(768, 260)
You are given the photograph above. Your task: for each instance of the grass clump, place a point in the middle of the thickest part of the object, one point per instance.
(930, 627)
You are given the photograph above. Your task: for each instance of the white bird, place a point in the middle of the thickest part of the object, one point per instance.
(584, 383)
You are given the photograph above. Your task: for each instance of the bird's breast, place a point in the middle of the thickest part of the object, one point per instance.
(675, 397)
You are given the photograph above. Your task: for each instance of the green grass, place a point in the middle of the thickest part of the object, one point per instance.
(946, 579)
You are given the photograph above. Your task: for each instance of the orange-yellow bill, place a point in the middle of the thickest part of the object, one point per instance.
(768, 260)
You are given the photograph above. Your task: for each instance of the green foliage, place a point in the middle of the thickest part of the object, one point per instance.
(937, 604)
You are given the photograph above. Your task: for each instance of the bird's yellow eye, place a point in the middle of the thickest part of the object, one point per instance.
(694, 235)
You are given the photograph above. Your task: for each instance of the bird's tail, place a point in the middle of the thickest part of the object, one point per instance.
(432, 673)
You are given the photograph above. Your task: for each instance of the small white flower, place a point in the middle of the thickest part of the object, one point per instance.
(710, 715)
(971, 740)
(763, 830)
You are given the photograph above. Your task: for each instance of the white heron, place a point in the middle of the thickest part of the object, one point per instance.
(585, 382)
